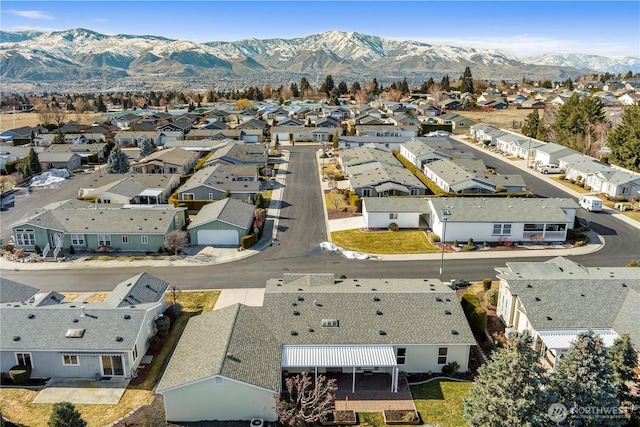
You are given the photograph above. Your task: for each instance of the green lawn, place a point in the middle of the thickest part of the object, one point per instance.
(384, 242)
(440, 402)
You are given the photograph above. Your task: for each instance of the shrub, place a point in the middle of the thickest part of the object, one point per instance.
(561, 177)
(249, 240)
(433, 237)
(604, 159)
(478, 320)
(486, 283)
(72, 250)
(160, 250)
(455, 243)
(469, 303)
(470, 242)
(338, 177)
(633, 264)
(342, 276)
(621, 199)
(467, 248)
(37, 250)
(501, 189)
(491, 296)
(587, 187)
(580, 184)
(258, 200)
(393, 227)
(20, 374)
(485, 244)
(451, 369)
(64, 414)
(172, 312)
(163, 324)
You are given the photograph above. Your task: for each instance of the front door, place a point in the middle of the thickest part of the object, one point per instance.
(112, 366)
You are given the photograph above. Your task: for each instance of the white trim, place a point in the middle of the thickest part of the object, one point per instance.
(64, 363)
(210, 378)
(24, 352)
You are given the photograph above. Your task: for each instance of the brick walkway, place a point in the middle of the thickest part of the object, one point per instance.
(373, 393)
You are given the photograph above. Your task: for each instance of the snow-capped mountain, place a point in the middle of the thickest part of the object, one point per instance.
(82, 55)
(612, 64)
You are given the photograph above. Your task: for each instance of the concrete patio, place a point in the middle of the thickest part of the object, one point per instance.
(78, 391)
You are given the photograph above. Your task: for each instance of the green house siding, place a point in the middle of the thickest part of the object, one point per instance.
(41, 236)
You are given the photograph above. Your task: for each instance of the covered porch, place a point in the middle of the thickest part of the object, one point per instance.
(552, 344)
(355, 362)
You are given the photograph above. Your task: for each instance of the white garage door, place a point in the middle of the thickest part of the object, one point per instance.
(218, 237)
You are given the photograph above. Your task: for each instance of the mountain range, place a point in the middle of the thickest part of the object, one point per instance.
(83, 56)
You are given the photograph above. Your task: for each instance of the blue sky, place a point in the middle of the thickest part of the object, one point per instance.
(521, 27)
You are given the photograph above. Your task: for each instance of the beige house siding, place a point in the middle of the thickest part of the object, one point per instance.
(424, 358)
(196, 401)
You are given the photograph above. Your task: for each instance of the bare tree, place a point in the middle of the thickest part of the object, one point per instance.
(362, 97)
(435, 90)
(175, 241)
(392, 95)
(175, 293)
(44, 113)
(305, 403)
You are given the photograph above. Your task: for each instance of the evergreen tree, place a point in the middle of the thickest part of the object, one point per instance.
(427, 85)
(117, 161)
(33, 163)
(623, 358)
(294, 90)
(65, 415)
(335, 143)
(146, 148)
(531, 124)
(444, 83)
(584, 379)
(576, 123)
(100, 106)
(404, 87)
(376, 87)
(304, 86)
(355, 87)
(509, 388)
(624, 139)
(466, 84)
(59, 138)
(342, 88)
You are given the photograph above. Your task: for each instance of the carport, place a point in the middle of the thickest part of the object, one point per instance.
(366, 357)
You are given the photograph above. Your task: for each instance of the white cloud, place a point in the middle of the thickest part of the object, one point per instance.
(100, 20)
(31, 14)
(527, 45)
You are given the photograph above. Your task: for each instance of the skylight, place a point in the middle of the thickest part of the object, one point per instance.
(75, 333)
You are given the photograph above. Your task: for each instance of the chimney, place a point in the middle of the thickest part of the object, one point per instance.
(315, 303)
(82, 312)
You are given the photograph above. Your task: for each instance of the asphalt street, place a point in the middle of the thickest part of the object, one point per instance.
(302, 228)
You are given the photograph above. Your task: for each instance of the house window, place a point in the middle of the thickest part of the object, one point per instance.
(104, 239)
(25, 237)
(442, 355)
(173, 170)
(125, 240)
(77, 239)
(210, 196)
(144, 240)
(24, 359)
(393, 216)
(188, 196)
(401, 356)
(70, 360)
(366, 192)
(106, 201)
(533, 227)
(501, 229)
(135, 351)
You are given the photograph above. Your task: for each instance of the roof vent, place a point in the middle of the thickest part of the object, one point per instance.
(454, 332)
(127, 317)
(624, 285)
(447, 312)
(31, 316)
(549, 318)
(310, 328)
(296, 313)
(382, 332)
(373, 289)
(294, 333)
(295, 304)
(16, 338)
(376, 299)
(316, 303)
(537, 299)
(82, 312)
(300, 299)
(438, 299)
(529, 286)
(119, 339)
(379, 313)
(75, 320)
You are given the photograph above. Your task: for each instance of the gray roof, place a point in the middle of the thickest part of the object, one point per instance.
(396, 204)
(11, 291)
(618, 177)
(240, 153)
(229, 210)
(87, 218)
(172, 156)
(477, 209)
(50, 298)
(584, 164)
(245, 343)
(562, 294)
(382, 173)
(366, 154)
(141, 289)
(223, 177)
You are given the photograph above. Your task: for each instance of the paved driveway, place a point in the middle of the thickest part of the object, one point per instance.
(82, 391)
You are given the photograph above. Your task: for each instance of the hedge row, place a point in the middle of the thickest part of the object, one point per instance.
(476, 315)
(202, 161)
(249, 240)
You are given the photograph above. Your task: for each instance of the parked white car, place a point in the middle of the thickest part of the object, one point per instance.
(546, 169)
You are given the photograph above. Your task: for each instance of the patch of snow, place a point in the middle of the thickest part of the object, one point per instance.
(52, 176)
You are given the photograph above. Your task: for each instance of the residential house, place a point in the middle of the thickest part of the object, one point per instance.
(578, 166)
(133, 188)
(425, 150)
(383, 142)
(10, 153)
(68, 339)
(387, 130)
(629, 99)
(518, 145)
(469, 177)
(558, 299)
(459, 124)
(133, 138)
(165, 135)
(406, 212)
(89, 153)
(172, 160)
(93, 226)
(532, 103)
(365, 154)
(377, 179)
(317, 324)
(237, 153)
(485, 133)
(614, 183)
(222, 223)
(292, 134)
(199, 146)
(551, 153)
(213, 182)
(60, 160)
(21, 135)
